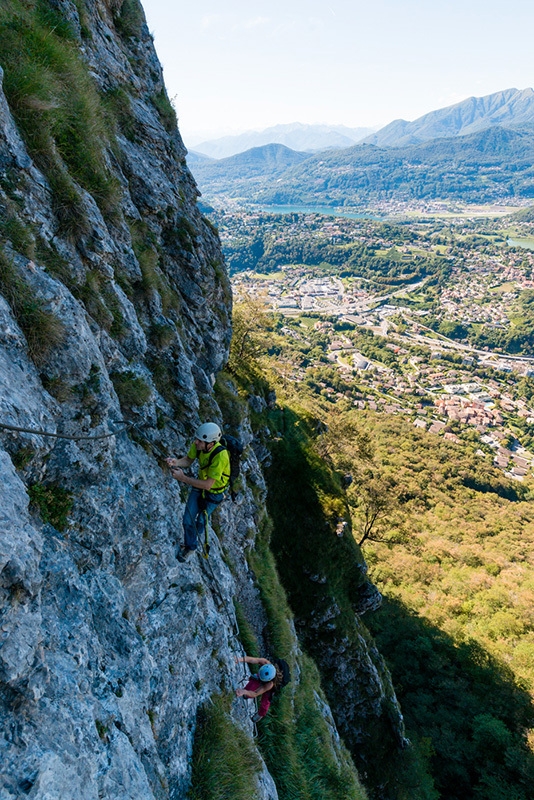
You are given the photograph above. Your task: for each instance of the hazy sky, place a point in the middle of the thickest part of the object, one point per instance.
(245, 64)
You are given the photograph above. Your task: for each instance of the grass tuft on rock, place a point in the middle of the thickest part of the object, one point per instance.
(166, 111)
(132, 390)
(42, 329)
(53, 502)
(57, 108)
(153, 278)
(225, 763)
(161, 335)
(15, 231)
(102, 303)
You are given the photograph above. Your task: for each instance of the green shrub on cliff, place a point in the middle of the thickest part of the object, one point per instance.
(129, 18)
(53, 502)
(132, 390)
(165, 110)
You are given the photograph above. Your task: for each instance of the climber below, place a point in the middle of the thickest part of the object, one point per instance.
(207, 491)
(267, 680)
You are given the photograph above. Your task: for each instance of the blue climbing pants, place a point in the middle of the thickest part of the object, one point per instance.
(194, 520)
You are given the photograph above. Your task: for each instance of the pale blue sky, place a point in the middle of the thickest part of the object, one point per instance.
(248, 64)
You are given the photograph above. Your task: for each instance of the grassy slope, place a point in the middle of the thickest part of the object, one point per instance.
(295, 739)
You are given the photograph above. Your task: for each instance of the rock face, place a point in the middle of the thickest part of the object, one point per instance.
(108, 645)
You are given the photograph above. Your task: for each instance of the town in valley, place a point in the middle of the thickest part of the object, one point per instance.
(430, 318)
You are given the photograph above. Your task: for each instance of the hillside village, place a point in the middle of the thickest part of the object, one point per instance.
(449, 387)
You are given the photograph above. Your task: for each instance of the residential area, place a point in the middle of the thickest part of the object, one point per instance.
(389, 359)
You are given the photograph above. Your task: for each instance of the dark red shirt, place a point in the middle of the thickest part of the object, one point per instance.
(265, 699)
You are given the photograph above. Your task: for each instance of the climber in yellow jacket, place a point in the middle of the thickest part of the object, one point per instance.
(207, 491)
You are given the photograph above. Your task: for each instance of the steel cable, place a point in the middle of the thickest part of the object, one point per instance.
(71, 437)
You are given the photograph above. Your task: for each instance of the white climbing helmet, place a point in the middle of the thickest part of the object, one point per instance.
(208, 432)
(266, 673)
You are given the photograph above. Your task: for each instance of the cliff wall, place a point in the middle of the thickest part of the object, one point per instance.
(115, 315)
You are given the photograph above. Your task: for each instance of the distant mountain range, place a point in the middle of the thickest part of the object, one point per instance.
(493, 163)
(510, 107)
(296, 136)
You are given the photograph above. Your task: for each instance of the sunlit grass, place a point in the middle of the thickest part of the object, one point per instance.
(57, 107)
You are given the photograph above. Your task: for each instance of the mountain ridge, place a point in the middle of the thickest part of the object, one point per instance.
(269, 159)
(514, 106)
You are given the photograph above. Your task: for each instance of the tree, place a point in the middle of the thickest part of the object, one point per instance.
(249, 339)
(375, 507)
(342, 441)
(375, 496)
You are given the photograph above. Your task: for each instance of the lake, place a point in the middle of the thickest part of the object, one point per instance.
(526, 244)
(325, 210)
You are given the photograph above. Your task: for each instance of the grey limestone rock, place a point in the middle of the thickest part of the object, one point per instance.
(369, 598)
(257, 403)
(13, 152)
(108, 645)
